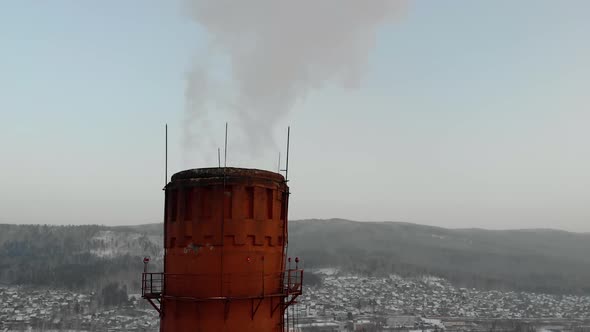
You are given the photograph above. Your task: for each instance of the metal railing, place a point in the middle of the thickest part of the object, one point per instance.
(293, 282)
(152, 284)
(209, 286)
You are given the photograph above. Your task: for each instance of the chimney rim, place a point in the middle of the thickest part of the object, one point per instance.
(220, 172)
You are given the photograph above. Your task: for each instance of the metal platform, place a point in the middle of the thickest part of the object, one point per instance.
(153, 287)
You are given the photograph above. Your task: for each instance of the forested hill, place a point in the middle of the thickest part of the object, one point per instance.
(77, 257)
(533, 260)
(538, 260)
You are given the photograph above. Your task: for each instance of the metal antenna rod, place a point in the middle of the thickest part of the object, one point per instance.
(219, 157)
(287, 161)
(225, 160)
(166, 159)
(222, 205)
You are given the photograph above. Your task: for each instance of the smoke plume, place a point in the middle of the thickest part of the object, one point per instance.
(273, 53)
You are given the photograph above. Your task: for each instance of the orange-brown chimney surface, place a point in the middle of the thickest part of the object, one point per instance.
(224, 268)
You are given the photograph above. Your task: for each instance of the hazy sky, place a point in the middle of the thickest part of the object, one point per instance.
(459, 114)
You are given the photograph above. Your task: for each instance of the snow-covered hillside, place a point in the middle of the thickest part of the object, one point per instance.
(110, 243)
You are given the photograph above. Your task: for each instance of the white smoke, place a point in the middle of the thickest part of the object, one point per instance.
(277, 51)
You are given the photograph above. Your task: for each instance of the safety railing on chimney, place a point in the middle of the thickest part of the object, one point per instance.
(293, 285)
(293, 282)
(152, 285)
(192, 287)
(232, 285)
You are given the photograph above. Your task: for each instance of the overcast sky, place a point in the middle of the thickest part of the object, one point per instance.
(450, 113)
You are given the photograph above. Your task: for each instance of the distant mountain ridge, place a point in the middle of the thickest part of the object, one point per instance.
(75, 257)
(539, 260)
(532, 260)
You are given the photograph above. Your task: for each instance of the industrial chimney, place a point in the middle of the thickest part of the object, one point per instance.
(225, 233)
